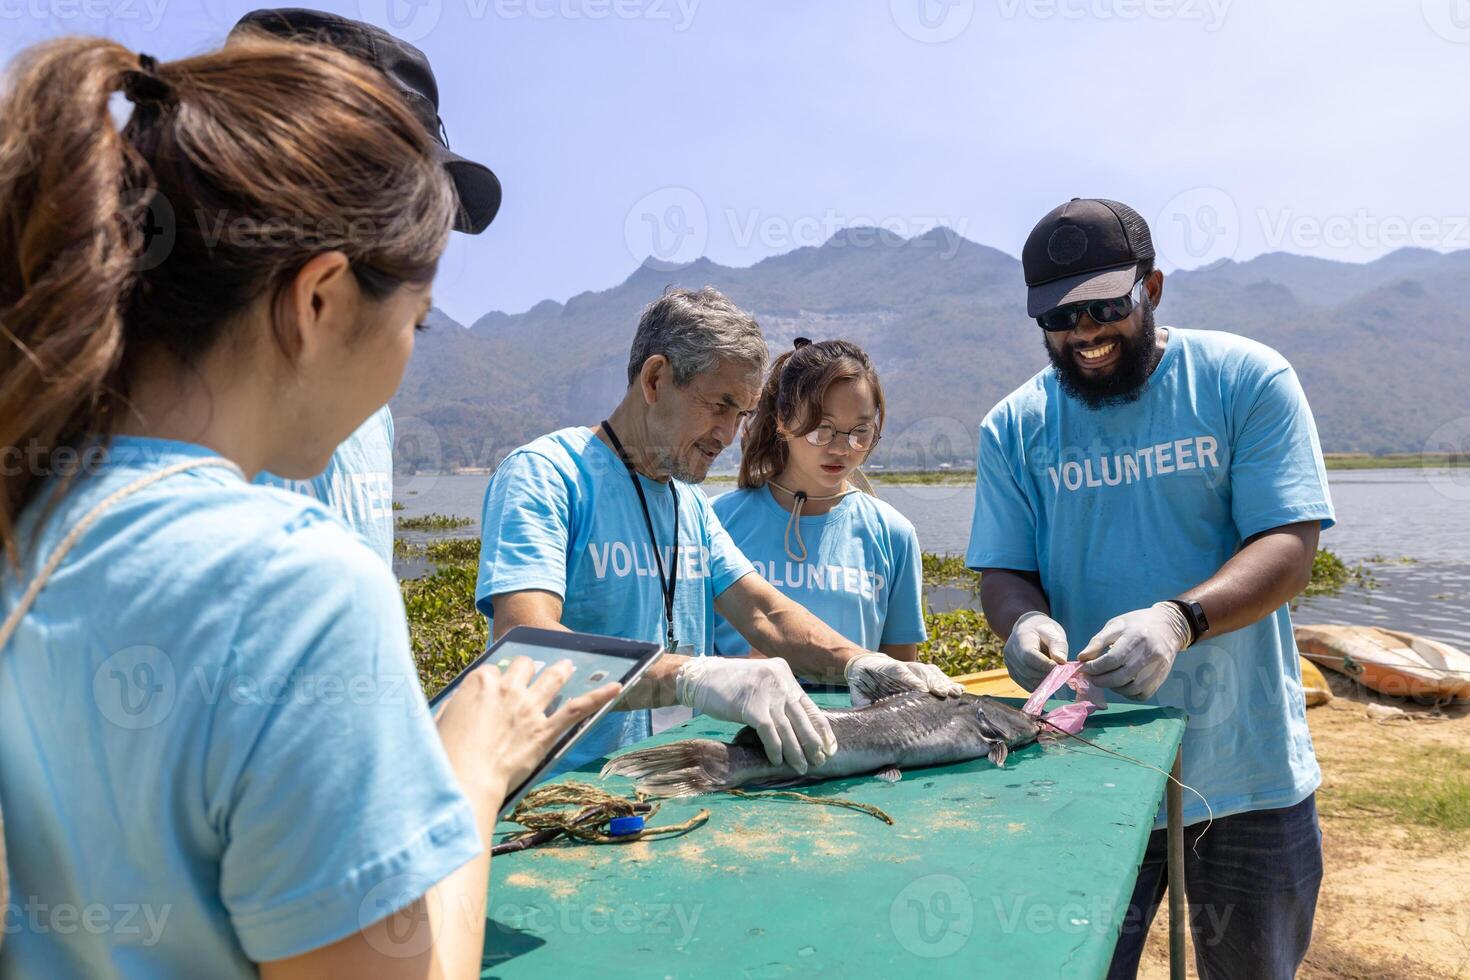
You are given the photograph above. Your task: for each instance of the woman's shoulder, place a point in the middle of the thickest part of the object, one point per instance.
(881, 514)
(204, 525)
(735, 500)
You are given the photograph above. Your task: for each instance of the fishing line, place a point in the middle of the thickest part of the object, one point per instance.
(1167, 775)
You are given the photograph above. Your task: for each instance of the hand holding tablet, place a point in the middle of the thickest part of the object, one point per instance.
(508, 717)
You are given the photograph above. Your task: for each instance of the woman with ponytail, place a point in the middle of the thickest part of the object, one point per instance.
(214, 752)
(800, 513)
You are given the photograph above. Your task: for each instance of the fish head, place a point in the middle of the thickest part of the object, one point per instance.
(1002, 727)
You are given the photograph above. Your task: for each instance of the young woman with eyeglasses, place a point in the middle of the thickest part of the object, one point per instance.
(800, 513)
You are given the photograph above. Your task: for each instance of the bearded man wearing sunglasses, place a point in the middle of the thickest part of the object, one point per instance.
(1155, 496)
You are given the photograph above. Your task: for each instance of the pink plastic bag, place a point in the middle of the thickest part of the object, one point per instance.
(1069, 717)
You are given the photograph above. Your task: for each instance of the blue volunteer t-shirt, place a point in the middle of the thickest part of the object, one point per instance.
(357, 484)
(862, 575)
(215, 749)
(562, 516)
(1120, 508)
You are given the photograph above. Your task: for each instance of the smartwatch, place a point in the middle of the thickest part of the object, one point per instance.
(1194, 614)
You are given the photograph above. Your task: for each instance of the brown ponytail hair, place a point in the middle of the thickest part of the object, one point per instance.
(793, 395)
(235, 168)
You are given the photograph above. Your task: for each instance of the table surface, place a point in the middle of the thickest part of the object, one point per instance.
(1021, 871)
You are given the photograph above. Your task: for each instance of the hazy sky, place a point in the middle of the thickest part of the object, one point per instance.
(623, 128)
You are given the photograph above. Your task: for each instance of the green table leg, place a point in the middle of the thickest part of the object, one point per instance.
(1174, 794)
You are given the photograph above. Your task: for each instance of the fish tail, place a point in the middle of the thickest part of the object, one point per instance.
(684, 768)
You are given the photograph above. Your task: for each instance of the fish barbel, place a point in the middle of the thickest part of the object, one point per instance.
(898, 732)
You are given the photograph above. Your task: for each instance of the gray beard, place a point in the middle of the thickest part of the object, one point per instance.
(675, 468)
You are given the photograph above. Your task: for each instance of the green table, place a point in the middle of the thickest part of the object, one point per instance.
(1021, 871)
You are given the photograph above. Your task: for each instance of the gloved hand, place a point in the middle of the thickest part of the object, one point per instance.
(1141, 647)
(877, 675)
(764, 694)
(1036, 645)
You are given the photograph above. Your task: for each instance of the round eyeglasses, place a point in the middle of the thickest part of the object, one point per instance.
(860, 437)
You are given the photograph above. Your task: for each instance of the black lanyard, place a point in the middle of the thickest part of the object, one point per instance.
(666, 584)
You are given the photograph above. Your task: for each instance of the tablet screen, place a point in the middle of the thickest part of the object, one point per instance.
(596, 660)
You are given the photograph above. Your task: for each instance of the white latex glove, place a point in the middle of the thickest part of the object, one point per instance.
(1141, 647)
(875, 675)
(764, 694)
(1037, 644)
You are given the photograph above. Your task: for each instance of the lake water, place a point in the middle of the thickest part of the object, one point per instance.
(1413, 526)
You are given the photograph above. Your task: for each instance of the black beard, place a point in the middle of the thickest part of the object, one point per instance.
(1124, 384)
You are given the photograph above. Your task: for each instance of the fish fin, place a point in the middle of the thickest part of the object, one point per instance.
(890, 775)
(870, 687)
(686, 768)
(998, 753)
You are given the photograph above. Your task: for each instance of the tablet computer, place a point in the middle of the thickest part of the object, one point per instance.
(596, 660)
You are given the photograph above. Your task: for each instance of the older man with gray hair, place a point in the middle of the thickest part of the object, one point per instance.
(599, 530)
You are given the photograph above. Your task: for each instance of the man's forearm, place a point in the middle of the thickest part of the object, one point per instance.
(1007, 595)
(812, 648)
(655, 689)
(1271, 570)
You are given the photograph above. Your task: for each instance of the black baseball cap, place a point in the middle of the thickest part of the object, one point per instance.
(407, 68)
(1088, 248)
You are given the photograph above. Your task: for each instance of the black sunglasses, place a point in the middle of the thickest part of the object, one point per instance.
(1065, 318)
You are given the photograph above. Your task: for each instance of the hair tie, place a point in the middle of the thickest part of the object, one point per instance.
(799, 343)
(145, 87)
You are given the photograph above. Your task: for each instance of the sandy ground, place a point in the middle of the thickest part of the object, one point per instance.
(1395, 899)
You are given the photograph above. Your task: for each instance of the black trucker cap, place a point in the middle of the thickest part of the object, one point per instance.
(407, 68)
(1088, 248)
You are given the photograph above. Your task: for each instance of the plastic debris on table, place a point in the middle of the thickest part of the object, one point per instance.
(1069, 717)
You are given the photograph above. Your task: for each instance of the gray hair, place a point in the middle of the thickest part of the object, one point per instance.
(696, 331)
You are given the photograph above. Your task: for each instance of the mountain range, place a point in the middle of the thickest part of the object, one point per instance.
(1382, 348)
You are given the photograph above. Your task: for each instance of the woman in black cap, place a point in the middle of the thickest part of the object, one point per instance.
(215, 755)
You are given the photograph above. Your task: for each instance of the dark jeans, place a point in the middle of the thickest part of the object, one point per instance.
(1252, 894)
